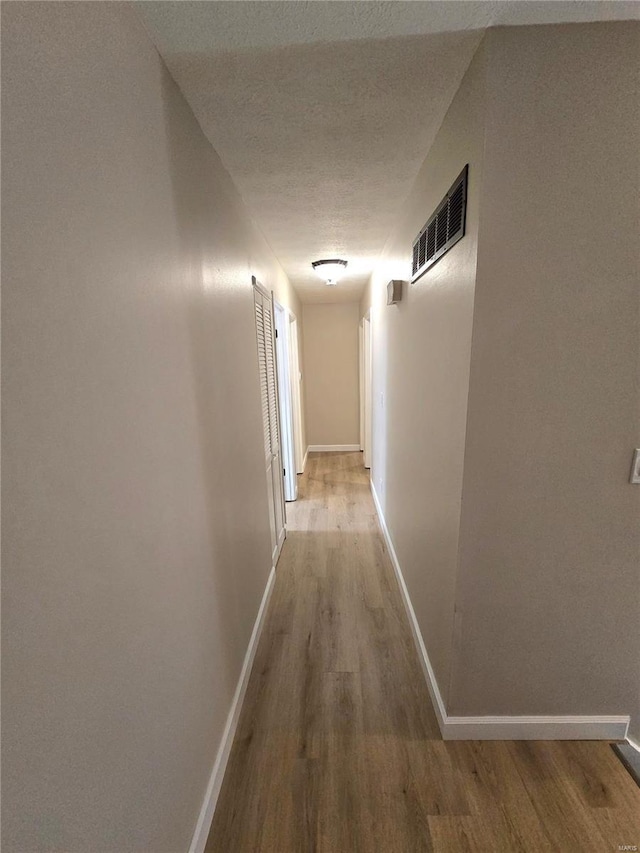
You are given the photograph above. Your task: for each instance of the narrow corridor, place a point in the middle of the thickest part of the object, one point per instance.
(337, 748)
(242, 240)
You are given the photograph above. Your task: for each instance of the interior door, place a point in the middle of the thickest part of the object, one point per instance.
(284, 396)
(265, 336)
(296, 403)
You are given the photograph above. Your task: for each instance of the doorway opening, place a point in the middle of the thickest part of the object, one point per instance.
(288, 372)
(364, 361)
(296, 392)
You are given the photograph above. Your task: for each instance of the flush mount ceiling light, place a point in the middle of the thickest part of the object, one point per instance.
(330, 270)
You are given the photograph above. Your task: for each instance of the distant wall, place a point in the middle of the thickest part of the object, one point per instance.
(330, 334)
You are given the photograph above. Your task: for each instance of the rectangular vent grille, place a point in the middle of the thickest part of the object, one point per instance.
(443, 229)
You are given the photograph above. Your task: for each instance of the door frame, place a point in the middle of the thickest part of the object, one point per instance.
(361, 379)
(366, 398)
(287, 440)
(296, 391)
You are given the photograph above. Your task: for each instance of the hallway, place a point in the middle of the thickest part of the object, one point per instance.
(437, 203)
(337, 748)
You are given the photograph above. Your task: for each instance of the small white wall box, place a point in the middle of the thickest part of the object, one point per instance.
(635, 467)
(394, 291)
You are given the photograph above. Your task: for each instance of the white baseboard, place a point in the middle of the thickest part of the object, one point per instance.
(633, 742)
(432, 684)
(536, 728)
(304, 461)
(322, 448)
(205, 819)
(498, 727)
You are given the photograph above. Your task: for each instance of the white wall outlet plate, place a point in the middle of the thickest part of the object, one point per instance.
(635, 467)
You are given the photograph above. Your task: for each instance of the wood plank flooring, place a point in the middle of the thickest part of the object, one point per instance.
(338, 750)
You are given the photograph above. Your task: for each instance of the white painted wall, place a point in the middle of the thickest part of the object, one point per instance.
(136, 541)
(332, 396)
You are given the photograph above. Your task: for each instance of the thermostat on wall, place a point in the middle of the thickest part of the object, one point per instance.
(394, 292)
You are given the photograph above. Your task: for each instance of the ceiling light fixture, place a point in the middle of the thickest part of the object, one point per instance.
(330, 270)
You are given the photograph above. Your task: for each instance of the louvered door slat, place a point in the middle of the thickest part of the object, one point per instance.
(268, 376)
(262, 368)
(271, 377)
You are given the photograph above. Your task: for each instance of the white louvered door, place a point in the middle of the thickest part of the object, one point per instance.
(265, 336)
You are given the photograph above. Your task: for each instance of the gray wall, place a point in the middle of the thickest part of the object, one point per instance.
(549, 573)
(523, 564)
(136, 544)
(421, 350)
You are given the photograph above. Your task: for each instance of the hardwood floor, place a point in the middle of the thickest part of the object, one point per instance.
(338, 750)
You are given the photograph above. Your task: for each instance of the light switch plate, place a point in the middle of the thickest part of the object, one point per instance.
(635, 467)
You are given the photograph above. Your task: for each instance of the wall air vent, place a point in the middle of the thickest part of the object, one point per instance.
(443, 229)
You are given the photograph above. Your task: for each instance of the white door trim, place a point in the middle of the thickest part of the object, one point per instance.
(281, 317)
(367, 369)
(296, 392)
(361, 379)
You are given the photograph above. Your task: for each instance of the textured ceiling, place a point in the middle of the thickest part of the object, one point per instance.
(324, 111)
